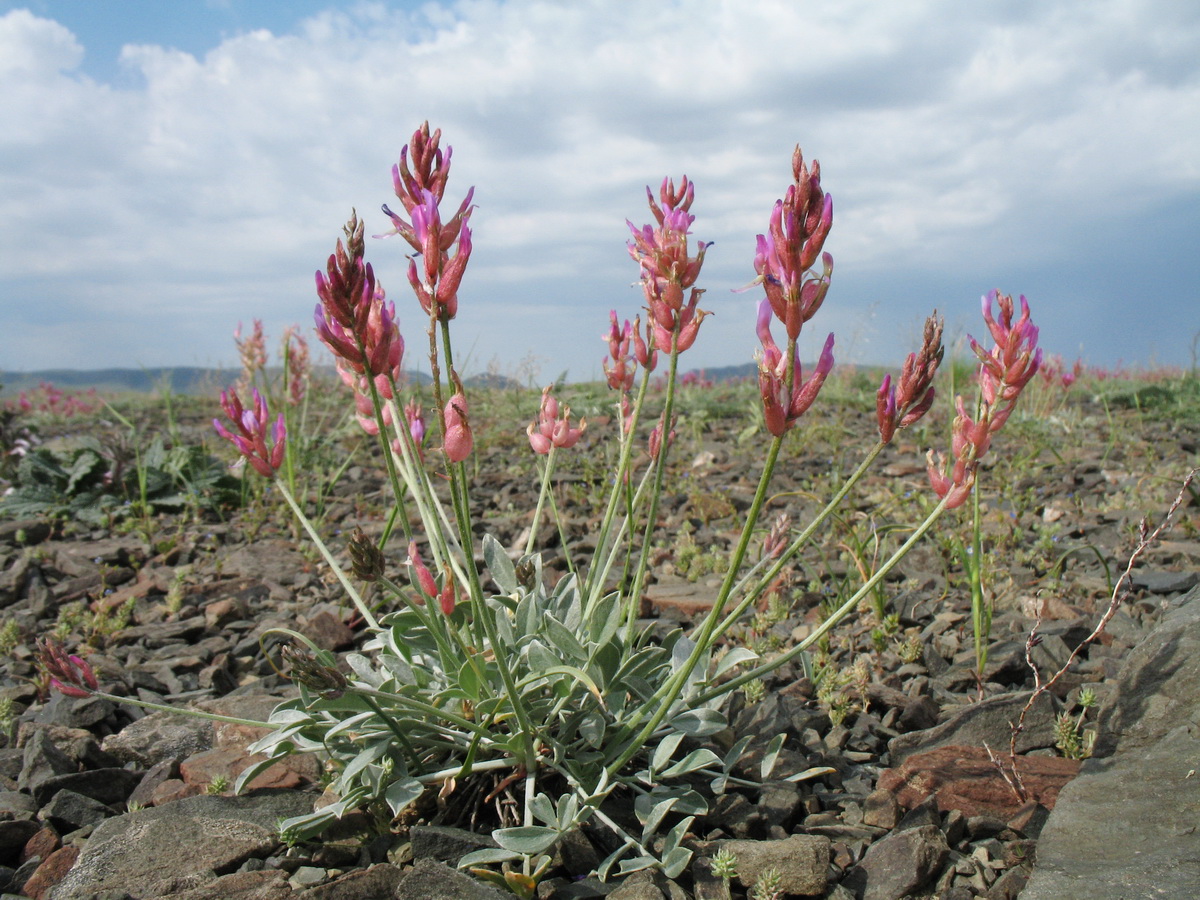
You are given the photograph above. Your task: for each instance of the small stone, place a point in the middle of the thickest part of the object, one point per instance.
(307, 876)
(802, 861)
(881, 810)
(900, 864)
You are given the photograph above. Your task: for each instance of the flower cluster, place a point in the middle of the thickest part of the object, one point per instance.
(799, 224)
(69, 674)
(784, 405)
(420, 187)
(295, 355)
(253, 353)
(898, 406)
(667, 268)
(251, 435)
(552, 430)
(358, 325)
(1004, 371)
(784, 257)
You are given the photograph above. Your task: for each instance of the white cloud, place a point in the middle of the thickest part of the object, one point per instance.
(958, 141)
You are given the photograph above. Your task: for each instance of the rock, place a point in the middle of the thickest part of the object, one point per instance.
(801, 859)
(139, 852)
(379, 881)
(1163, 582)
(985, 722)
(69, 811)
(446, 844)
(964, 778)
(638, 886)
(42, 760)
(881, 809)
(159, 737)
(50, 873)
(328, 632)
(110, 787)
(13, 836)
(266, 884)
(1124, 827)
(429, 879)
(899, 864)
(708, 886)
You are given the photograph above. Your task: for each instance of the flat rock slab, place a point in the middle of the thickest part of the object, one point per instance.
(1126, 826)
(147, 853)
(966, 779)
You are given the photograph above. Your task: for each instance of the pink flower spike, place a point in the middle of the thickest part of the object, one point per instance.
(250, 438)
(70, 675)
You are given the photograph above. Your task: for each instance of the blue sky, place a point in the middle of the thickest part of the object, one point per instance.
(169, 169)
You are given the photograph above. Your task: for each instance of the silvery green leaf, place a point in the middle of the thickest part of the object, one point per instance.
(654, 815)
(526, 839)
(636, 864)
(814, 772)
(603, 869)
(499, 565)
(487, 857)
(567, 812)
(697, 759)
(735, 753)
(665, 750)
(675, 862)
(540, 657)
(699, 722)
(734, 657)
(402, 793)
(527, 615)
(605, 618)
(680, 651)
(591, 727)
(350, 724)
(363, 668)
(561, 637)
(468, 679)
(543, 809)
(772, 754)
(676, 835)
(569, 605)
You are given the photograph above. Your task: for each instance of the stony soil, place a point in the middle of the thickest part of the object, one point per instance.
(907, 802)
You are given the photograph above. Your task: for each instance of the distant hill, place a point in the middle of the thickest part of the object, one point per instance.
(201, 381)
(182, 380)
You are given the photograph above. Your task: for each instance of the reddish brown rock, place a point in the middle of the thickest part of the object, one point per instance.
(964, 778)
(173, 789)
(47, 876)
(202, 769)
(42, 844)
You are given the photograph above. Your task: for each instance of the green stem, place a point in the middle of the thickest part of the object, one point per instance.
(837, 615)
(537, 513)
(196, 713)
(351, 590)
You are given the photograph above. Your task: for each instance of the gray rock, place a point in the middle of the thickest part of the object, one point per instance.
(69, 811)
(270, 884)
(801, 859)
(432, 880)
(1163, 582)
(159, 737)
(1123, 827)
(363, 884)
(985, 722)
(13, 835)
(446, 844)
(181, 845)
(899, 864)
(111, 787)
(42, 760)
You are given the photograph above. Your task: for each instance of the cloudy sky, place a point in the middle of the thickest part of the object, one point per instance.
(170, 169)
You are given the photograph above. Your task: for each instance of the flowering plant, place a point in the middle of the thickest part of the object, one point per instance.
(482, 677)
